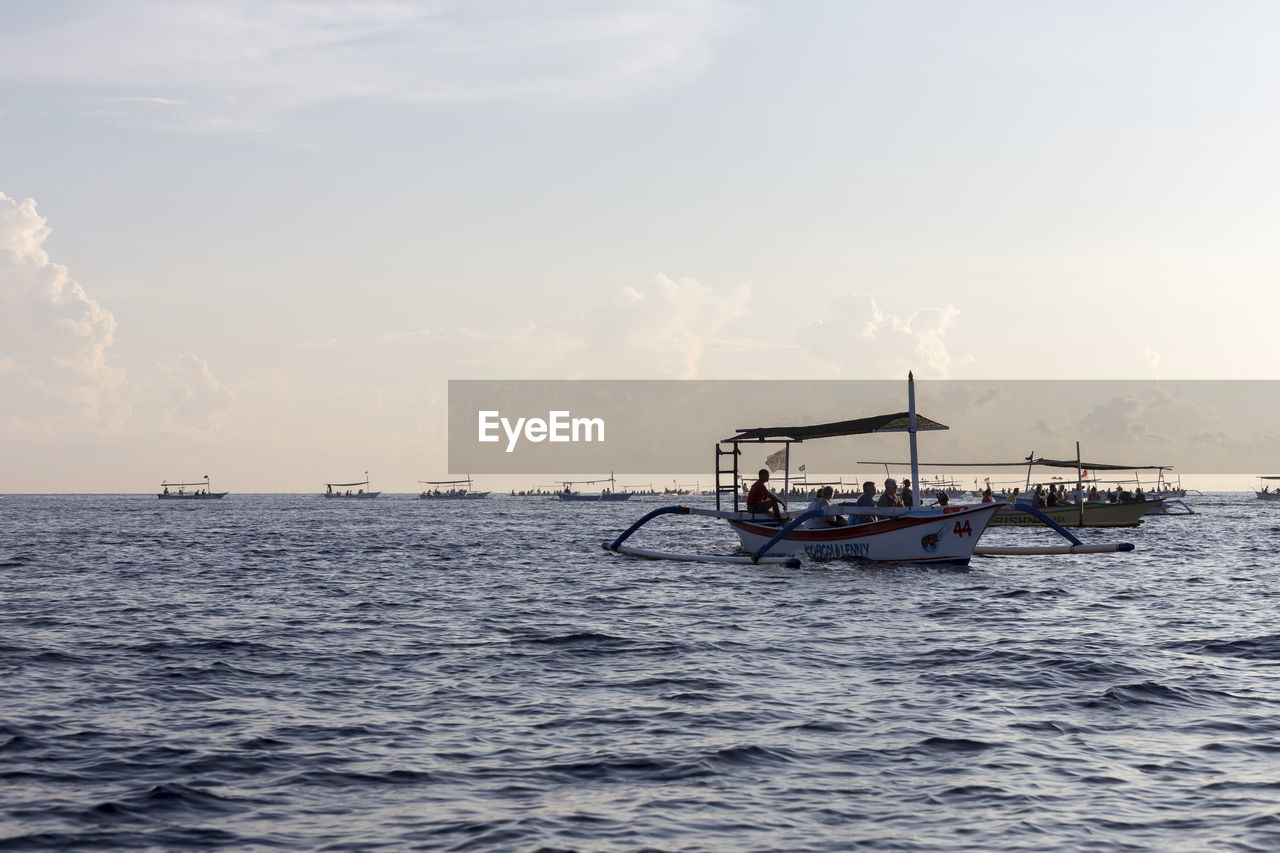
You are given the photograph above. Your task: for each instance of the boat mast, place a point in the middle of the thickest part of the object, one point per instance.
(1079, 484)
(911, 432)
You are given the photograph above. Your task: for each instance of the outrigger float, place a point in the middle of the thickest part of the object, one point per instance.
(937, 534)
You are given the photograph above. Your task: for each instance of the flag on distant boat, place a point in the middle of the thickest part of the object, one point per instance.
(801, 467)
(776, 461)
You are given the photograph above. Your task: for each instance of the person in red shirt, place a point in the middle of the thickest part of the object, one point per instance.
(761, 500)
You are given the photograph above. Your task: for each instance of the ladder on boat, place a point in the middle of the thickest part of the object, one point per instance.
(732, 486)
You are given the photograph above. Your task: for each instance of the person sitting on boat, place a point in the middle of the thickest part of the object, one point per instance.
(890, 496)
(166, 490)
(1138, 495)
(761, 500)
(943, 500)
(823, 502)
(1093, 493)
(907, 497)
(1038, 498)
(987, 496)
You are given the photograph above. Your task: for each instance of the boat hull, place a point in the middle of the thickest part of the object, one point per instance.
(209, 497)
(1096, 514)
(469, 496)
(1268, 496)
(615, 496)
(944, 535)
(359, 497)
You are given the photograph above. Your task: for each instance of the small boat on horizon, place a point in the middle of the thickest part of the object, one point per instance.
(609, 494)
(335, 490)
(178, 491)
(1266, 493)
(453, 493)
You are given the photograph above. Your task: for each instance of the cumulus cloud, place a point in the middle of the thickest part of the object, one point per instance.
(659, 330)
(864, 341)
(54, 338)
(194, 398)
(240, 62)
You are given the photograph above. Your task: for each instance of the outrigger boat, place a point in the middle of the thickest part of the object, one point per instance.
(361, 493)
(609, 494)
(935, 534)
(178, 491)
(1085, 513)
(453, 493)
(1266, 493)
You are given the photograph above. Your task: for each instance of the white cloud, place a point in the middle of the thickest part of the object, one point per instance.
(660, 330)
(864, 341)
(244, 63)
(194, 398)
(53, 337)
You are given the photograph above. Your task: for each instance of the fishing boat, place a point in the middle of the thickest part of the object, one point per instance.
(1266, 493)
(567, 493)
(362, 492)
(1126, 509)
(454, 490)
(178, 491)
(931, 535)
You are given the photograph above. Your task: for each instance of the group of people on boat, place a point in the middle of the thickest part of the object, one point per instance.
(328, 490)
(761, 501)
(182, 492)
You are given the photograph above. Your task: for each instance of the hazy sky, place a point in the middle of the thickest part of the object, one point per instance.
(254, 239)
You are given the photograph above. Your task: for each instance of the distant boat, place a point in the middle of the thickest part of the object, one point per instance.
(1093, 513)
(335, 490)
(178, 491)
(609, 494)
(1266, 493)
(453, 493)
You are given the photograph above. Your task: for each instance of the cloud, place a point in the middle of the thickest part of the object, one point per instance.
(864, 341)
(243, 63)
(660, 330)
(53, 337)
(194, 398)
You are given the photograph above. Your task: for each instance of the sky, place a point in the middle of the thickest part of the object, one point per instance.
(256, 239)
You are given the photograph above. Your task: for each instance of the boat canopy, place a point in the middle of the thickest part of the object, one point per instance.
(1047, 463)
(444, 482)
(897, 422)
(1270, 478)
(361, 483)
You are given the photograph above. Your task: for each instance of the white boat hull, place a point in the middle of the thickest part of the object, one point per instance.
(937, 535)
(361, 496)
(206, 497)
(469, 496)
(1268, 496)
(612, 496)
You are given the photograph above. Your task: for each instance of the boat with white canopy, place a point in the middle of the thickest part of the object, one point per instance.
(178, 491)
(449, 490)
(936, 534)
(1078, 510)
(343, 490)
(1267, 493)
(568, 493)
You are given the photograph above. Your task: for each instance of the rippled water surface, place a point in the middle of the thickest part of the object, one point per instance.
(284, 672)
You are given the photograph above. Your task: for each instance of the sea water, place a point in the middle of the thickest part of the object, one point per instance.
(291, 673)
